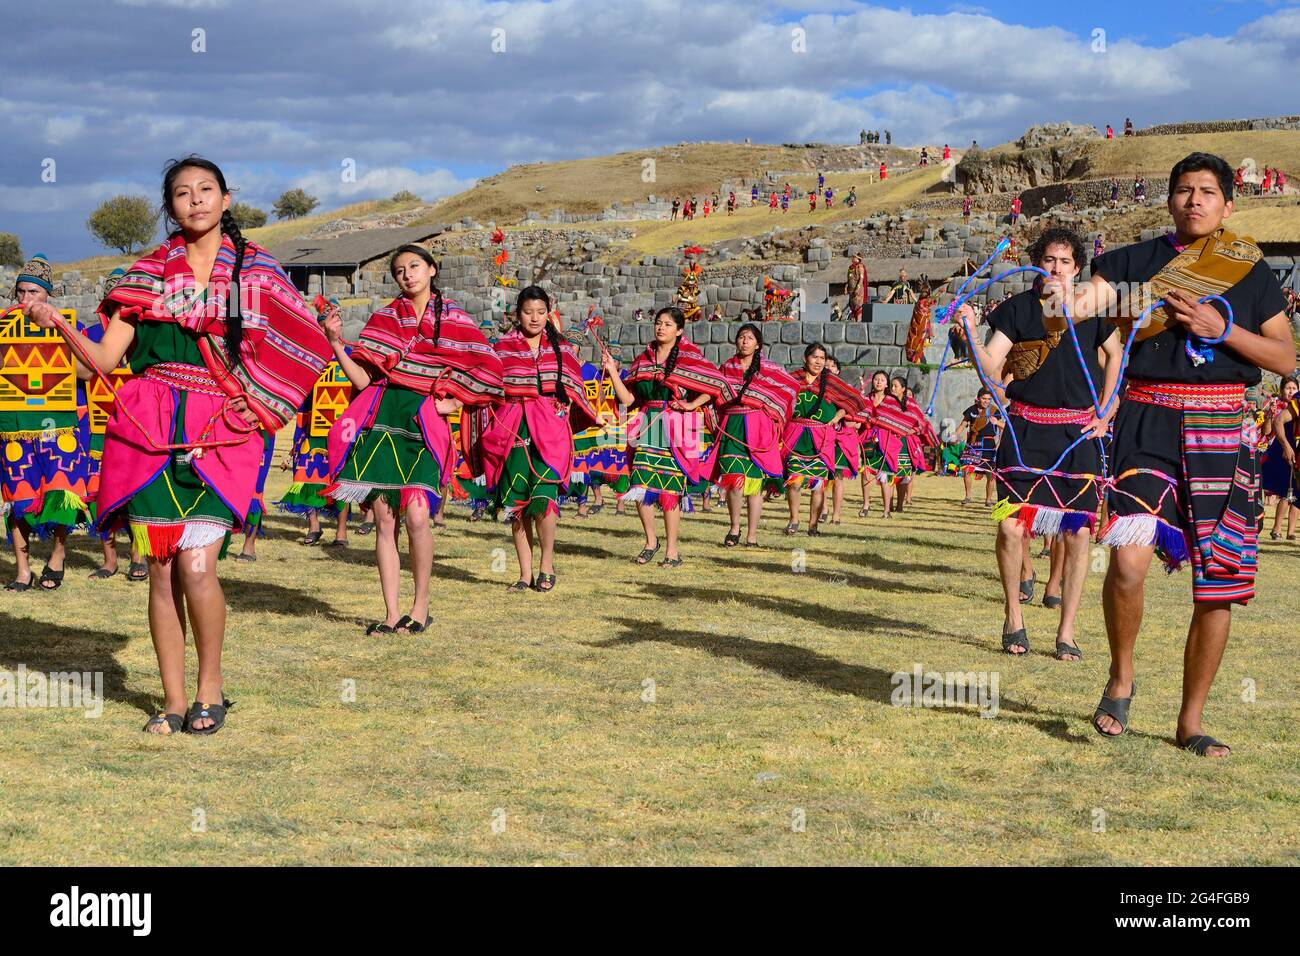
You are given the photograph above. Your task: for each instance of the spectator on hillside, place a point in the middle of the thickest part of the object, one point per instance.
(785, 201)
(925, 156)
(1267, 184)
(1099, 245)
(967, 204)
(1279, 181)
(771, 203)
(821, 181)
(1114, 193)
(883, 172)
(706, 207)
(829, 196)
(1069, 195)
(1110, 131)
(731, 203)
(753, 195)
(716, 314)
(1239, 181)
(1128, 127)
(1015, 211)
(812, 200)
(947, 153)
(1140, 191)
(677, 205)
(640, 315)
(851, 199)
(889, 137)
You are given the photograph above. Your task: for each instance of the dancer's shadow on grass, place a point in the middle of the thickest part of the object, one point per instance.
(53, 648)
(878, 562)
(254, 595)
(812, 611)
(852, 579)
(794, 663)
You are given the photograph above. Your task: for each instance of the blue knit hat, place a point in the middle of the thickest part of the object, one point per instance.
(38, 272)
(112, 279)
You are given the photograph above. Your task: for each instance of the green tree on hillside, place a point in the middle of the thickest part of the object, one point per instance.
(124, 223)
(246, 216)
(11, 251)
(294, 204)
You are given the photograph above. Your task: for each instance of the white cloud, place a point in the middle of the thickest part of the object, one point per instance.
(380, 183)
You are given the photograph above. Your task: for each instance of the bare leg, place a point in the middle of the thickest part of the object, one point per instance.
(22, 535)
(59, 551)
(733, 507)
(1123, 602)
(647, 515)
(968, 481)
(110, 554)
(816, 506)
(1071, 553)
(520, 532)
(671, 520)
(546, 535)
(837, 500)
(420, 539)
(387, 558)
(887, 496)
(1010, 549)
(1056, 567)
(754, 509)
(341, 525)
(196, 572)
(167, 628)
(1207, 636)
(792, 499)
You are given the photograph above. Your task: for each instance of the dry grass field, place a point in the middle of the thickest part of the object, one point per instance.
(736, 710)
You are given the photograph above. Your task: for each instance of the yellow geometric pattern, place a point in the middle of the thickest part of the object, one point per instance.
(101, 400)
(37, 373)
(330, 397)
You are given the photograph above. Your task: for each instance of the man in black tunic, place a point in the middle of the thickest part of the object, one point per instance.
(1184, 450)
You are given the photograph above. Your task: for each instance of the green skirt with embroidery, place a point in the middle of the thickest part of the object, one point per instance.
(390, 460)
(528, 485)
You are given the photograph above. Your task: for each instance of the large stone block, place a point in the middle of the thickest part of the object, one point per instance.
(718, 332)
(791, 333)
(855, 333)
(833, 333)
(881, 333)
(890, 355)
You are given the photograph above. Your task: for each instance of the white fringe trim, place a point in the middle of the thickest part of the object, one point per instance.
(633, 495)
(199, 535)
(352, 493)
(1131, 529)
(1047, 521)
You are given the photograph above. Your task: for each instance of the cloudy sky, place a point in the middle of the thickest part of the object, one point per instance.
(427, 95)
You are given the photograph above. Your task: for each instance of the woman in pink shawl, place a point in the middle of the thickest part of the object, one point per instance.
(527, 450)
(903, 432)
(754, 408)
(670, 380)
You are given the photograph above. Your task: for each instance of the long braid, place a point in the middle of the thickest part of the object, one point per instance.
(754, 363)
(671, 362)
(552, 336)
(234, 299)
(437, 314)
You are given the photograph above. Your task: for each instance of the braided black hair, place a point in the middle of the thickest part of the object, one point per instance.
(234, 336)
(423, 253)
(755, 361)
(535, 293)
(679, 319)
(812, 349)
(234, 304)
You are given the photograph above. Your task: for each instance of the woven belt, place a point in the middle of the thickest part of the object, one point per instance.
(186, 378)
(809, 423)
(1228, 396)
(1050, 416)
